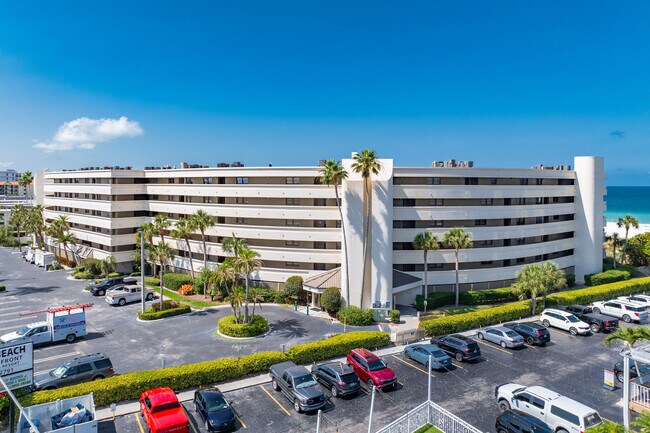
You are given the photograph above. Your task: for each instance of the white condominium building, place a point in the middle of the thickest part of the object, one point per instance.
(515, 217)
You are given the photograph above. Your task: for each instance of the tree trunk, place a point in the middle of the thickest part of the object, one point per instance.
(625, 245)
(246, 302)
(20, 246)
(161, 286)
(253, 313)
(533, 303)
(344, 247)
(189, 251)
(457, 284)
(426, 270)
(366, 235)
(205, 260)
(614, 253)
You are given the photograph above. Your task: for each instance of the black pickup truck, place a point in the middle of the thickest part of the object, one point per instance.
(298, 385)
(597, 322)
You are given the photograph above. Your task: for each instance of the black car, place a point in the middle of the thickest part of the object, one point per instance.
(513, 421)
(618, 370)
(597, 322)
(533, 333)
(340, 379)
(460, 347)
(216, 413)
(103, 286)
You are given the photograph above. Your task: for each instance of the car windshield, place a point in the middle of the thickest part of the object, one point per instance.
(24, 330)
(216, 403)
(375, 365)
(166, 406)
(592, 420)
(103, 283)
(304, 382)
(572, 318)
(511, 334)
(58, 372)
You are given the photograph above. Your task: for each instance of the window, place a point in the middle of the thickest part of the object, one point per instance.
(486, 243)
(207, 200)
(240, 220)
(292, 264)
(434, 180)
(471, 181)
(565, 415)
(240, 200)
(480, 222)
(170, 180)
(293, 180)
(539, 181)
(523, 396)
(242, 180)
(521, 221)
(292, 223)
(521, 260)
(539, 200)
(436, 202)
(538, 402)
(521, 241)
(207, 181)
(103, 363)
(292, 243)
(487, 202)
(556, 217)
(523, 181)
(493, 181)
(436, 223)
(486, 262)
(520, 201)
(293, 201)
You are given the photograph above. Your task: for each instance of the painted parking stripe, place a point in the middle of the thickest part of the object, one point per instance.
(9, 302)
(412, 366)
(489, 346)
(240, 421)
(276, 402)
(456, 365)
(63, 355)
(137, 418)
(15, 320)
(193, 426)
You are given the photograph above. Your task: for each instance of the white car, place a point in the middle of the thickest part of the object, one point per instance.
(628, 311)
(636, 299)
(561, 413)
(121, 295)
(564, 320)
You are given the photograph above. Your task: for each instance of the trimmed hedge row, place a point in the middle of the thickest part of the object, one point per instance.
(173, 281)
(355, 316)
(152, 314)
(477, 297)
(227, 326)
(610, 276)
(129, 386)
(599, 293)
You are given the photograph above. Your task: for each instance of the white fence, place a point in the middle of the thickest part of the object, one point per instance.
(639, 396)
(429, 412)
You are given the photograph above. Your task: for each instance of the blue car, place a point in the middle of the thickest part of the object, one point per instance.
(420, 353)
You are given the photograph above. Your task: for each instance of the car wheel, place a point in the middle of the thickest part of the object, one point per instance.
(594, 328)
(596, 310)
(296, 406)
(620, 376)
(70, 338)
(480, 335)
(101, 293)
(100, 377)
(407, 355)
(546, 323)
(500, 430)
(626, 319)
(504, 405)
(275, 385)
(121, 302)
(335, 391)
(573, 331)
(149, 296)
(504, 345)
(530, 341)
(458, 356)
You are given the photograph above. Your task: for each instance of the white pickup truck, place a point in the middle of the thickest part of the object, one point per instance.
(121, 295)
(64, 323)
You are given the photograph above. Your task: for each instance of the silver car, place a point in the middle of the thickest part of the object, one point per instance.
(122, 295)
(506, 338)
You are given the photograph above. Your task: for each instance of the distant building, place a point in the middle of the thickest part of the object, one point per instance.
(10, 175)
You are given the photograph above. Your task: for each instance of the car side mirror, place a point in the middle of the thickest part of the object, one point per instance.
(231, 402)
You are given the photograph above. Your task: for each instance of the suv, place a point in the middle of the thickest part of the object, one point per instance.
(341, 380)
(637, 299)
(597, 322)
(563, 320)
(513, 421)
(533, 333)
(371, 369)
(460, 347)
(562, 414)
(81, 369)
(121, 295)
(628, 311)
(103, 286)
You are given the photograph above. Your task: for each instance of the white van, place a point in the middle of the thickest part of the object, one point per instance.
(564, 320)
(561, 413)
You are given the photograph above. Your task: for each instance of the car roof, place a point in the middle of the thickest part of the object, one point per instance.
(85, 358)
(622, 302)
(553, 310)
(531, 324)
(212, 391)
(499, 328)
(462, 338)
(426, 346)
(365, 353)
(340, 368)
(576, 407)
(540, 391)
(161, 395)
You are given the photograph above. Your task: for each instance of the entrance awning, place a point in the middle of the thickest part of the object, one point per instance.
(641, 354)
(320, 282)
(403, 281)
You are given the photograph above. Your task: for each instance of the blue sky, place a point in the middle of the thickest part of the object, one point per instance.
(505, 83)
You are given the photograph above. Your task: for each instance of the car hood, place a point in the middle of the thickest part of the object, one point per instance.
(10, 336)
(42, 380)
(384, 374)
(169, 418)
(221, 416)
(311, 392)
(510, 388)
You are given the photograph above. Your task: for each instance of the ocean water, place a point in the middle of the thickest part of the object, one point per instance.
(628, 200)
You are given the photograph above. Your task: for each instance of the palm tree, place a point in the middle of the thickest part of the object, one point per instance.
(183, 229)
(36, 225)
(333, 173)
(628, 221)
(201, 221)
(163, 254)
(530, 284)
(18, 218)
(233, 245)
(107, 266)
(204, 279)
(615, 238)
(246, 263)
(25, 181)
(629, 337)
(256, 298)
(236, 298)
(554, 280)
(425, 241)
(225, 275)
(160, 224)
(366, 163)
(457, 239)
(642, 422)
(149, 232)
(67, 238)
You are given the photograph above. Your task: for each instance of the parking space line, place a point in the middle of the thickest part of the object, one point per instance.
(190, 420)
(411, 365)
(496, 348)
(63, 355)
(240, 421)
(137, 418)
(400, 384)
(274, 399)
(457, 365)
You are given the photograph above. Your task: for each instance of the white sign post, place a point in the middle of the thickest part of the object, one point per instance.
(16, 371)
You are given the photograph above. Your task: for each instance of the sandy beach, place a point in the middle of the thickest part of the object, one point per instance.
(611, 228)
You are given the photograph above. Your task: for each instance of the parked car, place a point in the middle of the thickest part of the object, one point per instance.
(618, 370)
(504, 337)
(597, 322)
(77, 370)
(421, 352)
(636, 299)
(460, 347)
(121, 295)
(214, 410)
(298, 385)
(533, 333)
(513, 421)
(628, 311)
(339, 379)
(564, 320)
(562, 414)
(371, 369)
(103, 286)
(162, 412)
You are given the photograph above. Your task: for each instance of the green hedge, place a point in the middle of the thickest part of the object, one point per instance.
(599, 293)
(330, 300)
(394, 316)
(476, 297)
(173, 281)
(84, 275)
(2, 288)
(354, 316)
(115, 274)
(151, 281)
(151, 314)
(611, 276)
(227, 326)
(129, 386)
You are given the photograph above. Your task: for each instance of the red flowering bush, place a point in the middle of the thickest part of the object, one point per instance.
(186, 290)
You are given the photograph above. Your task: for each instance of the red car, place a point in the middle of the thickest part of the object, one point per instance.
(371, 369)
(162, 412)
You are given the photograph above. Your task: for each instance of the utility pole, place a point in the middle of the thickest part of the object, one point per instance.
(142, 269)
(626, 389)
(320, 413)
(429, 391)
(372, 408)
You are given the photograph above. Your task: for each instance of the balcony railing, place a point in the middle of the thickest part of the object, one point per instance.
(429, 412)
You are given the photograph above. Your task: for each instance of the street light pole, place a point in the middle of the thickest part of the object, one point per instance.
(142, 268)
(626, 389)
(372, 408)
(429, 391)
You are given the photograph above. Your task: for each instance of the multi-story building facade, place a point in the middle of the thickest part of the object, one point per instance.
(10, 175)
(515, 217)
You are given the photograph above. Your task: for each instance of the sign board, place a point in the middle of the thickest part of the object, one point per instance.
(608, 380)
(17, 364)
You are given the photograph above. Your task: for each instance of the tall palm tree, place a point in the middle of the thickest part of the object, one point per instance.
(18, 218)
(202, 221)
(629, 337)
(333, 173)
(67, 238)
(160, 224)
(108, 265)
(554, 280)
(529, 284)
(36, 225)
(183, 229)
(615, 239)
(149, 232)
(366, 163)
(163, 254)
(246, 263)
(233, 245)
(457, 239)
(628, 221)
(26, 181)
(425, 241)
(256, 298)
(236, 298)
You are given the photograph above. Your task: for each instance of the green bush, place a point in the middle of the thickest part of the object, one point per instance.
(293, 287)
(135, 274)
(280, 297)
(167, 305)
(151, 281)
(129, 386)
(93, 266)
(84, 275)
(638, 250)
(330, 300)
(570, 280)
(258, 326)
(394, 316)
(115, 274)
(599, 293)
(338, 345)
(268, 295)
(173, 281)
(611, 276)
(476, 297)
(2, 288)
(153, 314)
(354, 316)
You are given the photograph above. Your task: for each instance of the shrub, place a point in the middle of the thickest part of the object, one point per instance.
(186, 290)
(476, 297)
(135, 274)
(570, 280)
(84, 275)
(173, 281)
(355, 316)
(268, 295)
(115, 274)
(280, 297)
(394, 316)
(2, 288)
(154, 314)
(331, 299)
(151, 281)
(167, 305)
(611, 276)
(638, 250)
(80, 268)
(93, 266)
(338, 345)
(599, 293)
(293, 287)
(227, 326)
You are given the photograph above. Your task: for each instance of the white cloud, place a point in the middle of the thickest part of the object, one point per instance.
(85, 133)
(6, 164)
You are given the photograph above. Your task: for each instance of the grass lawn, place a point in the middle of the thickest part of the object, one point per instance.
(450, 311)
(194, 303)
(427, 428)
